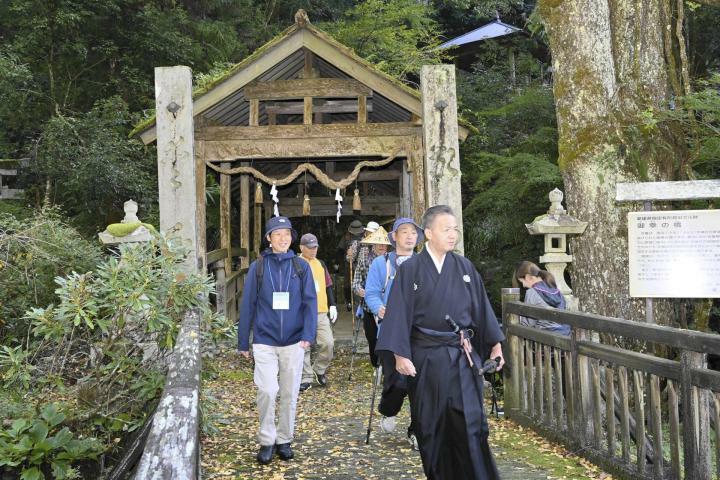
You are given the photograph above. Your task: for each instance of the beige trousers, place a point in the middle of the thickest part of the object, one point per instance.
(323, 348)
(277, 370)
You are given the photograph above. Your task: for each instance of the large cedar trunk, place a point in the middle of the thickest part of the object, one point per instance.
(609, 65)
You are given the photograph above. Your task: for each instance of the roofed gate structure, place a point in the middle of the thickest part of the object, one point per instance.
(305, 115)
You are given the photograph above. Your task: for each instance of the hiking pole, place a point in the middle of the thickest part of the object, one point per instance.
(356, 333)
(378, 377)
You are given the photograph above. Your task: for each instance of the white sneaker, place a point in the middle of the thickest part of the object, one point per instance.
(387, 424)
(412, 440)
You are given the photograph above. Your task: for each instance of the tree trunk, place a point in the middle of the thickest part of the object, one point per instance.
(609, 66)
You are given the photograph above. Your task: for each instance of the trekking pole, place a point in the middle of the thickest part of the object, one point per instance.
(378, 377)
(356, 333)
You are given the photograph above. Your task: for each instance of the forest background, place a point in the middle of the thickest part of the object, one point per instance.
(77, 75)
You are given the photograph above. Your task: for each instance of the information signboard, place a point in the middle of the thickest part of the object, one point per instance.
(674, 254)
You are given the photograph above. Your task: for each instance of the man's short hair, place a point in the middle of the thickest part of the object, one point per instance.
(433, 212)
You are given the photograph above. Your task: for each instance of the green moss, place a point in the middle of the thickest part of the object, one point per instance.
(124, 229)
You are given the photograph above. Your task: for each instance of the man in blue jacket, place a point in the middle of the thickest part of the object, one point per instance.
(404, 237)
(279, 303)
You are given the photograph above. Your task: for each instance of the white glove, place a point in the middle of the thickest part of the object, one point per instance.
(333, 314)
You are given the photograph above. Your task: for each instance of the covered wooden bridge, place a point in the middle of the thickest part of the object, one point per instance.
(307, 117)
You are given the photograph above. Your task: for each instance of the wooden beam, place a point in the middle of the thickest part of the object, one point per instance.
(327, 207)
(5, 171)
(364, 176)
(665, 191)
(362, 109)
(306, 87)
(245, 219)
(224, 151)
(257, 229)
(307, 110)
(327, 106)
(440, 137)
(225, 220)
(181, 177)
(11, 193)
(308, 67)
(281, 132)
(417, 171)
(254, 115)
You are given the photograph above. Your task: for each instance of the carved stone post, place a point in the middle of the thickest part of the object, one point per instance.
(177, 185)
(440, 138)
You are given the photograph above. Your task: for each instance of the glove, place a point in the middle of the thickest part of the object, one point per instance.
(333, 314)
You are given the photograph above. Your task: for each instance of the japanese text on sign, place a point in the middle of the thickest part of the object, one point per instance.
(674, 254)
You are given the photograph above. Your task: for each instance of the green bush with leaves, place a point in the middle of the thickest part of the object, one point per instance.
(101, 349)
(33, 252)
(31, 444)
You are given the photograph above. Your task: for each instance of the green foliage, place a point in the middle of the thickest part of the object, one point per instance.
(508, 192)
(33, 251)
(101, 347)
(30, 443)
(698, 115)
(93, 165)
(397, 36)
(17, 89)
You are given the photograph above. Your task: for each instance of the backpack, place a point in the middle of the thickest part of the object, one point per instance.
(260, 271)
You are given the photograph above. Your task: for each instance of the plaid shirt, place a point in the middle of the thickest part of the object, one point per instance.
(365, 256)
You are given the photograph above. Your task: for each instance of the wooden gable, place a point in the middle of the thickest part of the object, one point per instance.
(226, 101)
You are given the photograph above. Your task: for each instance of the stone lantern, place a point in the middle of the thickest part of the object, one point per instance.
(556, 224)
(129, 230)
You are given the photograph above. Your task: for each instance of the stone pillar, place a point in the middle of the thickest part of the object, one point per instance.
(555, 226)
(177, 186)
(440, 138)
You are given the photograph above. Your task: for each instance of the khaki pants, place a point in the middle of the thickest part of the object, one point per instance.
(272, 363)
(324, 343)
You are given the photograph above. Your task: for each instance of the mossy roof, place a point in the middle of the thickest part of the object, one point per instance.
(149, 122)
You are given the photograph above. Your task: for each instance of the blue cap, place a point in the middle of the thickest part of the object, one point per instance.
(276, 223)
(402, 221)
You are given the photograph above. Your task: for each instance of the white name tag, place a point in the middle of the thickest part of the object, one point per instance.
(317, 287)
(281, 301)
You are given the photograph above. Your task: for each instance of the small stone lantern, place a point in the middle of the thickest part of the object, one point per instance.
(129, 230)
(556, 225)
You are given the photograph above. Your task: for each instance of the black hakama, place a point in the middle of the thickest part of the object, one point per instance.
(446, 394)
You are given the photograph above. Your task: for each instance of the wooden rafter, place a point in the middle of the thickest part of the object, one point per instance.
(307, 87)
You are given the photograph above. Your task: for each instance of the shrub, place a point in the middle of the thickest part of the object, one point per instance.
(101, 349)
(33, 251)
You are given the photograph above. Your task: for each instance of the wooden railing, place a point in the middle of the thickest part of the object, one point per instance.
(228, 284)
(635, 414)
(9, 168)
(172, 448)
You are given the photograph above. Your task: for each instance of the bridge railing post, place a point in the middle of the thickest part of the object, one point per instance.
(511, 375)
(695, 419)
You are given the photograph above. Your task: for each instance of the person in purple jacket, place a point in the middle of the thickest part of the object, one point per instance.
(541, 291)
(279, 305)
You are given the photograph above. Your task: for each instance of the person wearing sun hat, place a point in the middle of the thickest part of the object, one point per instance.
(279, 305)
(376, 244)
(404, 236)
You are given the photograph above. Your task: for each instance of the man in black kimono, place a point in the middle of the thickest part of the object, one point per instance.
(433, 293)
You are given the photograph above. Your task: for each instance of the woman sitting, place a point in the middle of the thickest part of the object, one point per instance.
(542, 291)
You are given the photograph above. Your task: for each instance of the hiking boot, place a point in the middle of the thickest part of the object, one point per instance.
(321, 379)
(265, 454)
(387, 424)
(284, 451)
(304, 386)
(412, 440)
